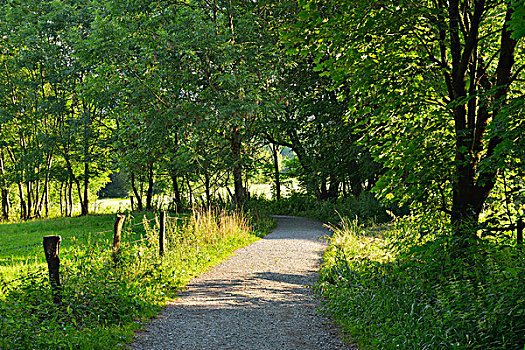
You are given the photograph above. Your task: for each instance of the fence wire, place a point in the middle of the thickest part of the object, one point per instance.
(25, 246)
(142, 222)
(175, 218)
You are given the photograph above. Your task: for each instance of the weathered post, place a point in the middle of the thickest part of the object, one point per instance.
(162, 232)
(52, 251)
(519, 228)
(117, 230)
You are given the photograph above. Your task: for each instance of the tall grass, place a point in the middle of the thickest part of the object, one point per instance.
(400, 286)
(105, 302)
(212, 225)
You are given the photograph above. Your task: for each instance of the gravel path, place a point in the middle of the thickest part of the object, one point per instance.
(258, 299)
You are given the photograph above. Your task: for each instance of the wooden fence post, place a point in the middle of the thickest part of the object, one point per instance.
(519, 228)
(52, 251)
(117, 230)
(162, 232)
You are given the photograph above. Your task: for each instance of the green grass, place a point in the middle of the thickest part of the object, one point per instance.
(402, 286)
(104, 301)
(22, 249)
(111, 205)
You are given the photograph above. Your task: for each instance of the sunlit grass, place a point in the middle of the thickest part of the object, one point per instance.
(22, 247)
(361, 243)
(105, 300)
(407, 285)
(111, 205)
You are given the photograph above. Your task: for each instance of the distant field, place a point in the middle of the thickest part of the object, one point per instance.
(111, 205)
(265, 190)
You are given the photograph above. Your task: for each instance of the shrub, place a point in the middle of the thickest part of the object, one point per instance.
(421, 292)
(365, 207)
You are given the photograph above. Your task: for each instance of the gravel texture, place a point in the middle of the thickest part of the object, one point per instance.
(260, 298)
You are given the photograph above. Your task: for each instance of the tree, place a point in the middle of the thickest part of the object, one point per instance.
(47, 113)
(186, 69)
(435, 81)
(312, 122)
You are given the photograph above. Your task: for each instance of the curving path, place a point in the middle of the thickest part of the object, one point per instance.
(258, 299)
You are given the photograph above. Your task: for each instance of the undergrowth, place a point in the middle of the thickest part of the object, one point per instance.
(105, 300)
(402, 286)
(365, 207)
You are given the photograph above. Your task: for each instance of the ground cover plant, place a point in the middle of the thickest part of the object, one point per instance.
(104, 300)
(365, 208)
(408, 285)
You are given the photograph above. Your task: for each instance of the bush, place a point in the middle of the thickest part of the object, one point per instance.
(365, 207)
(422, 292)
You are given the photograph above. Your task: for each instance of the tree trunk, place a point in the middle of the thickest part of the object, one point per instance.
(23, 205)
(84, 202)
(236, 145)
(70, 197)
(61, 199)
(29, 195)
(149, 195)
(190, 190)
(333, 190)
(176, 192)
(207, 188)
(46, 198)
(74, 179)
(4, 189)
(322, 191)
(6, 206)
(277, 177)
(37, 200)
(345, 188)
(136, 192)
(473, 184)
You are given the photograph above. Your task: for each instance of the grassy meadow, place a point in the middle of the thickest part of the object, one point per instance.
(105, 300)
(22, 249)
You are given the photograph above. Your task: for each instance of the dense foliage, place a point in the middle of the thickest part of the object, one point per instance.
(365, 208)
(399, 286)
(185, 99)
(436, 86)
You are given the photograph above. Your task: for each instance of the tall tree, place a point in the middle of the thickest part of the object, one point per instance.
(48, 114)
(190, 68)
(312, 122)
(435, 81)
